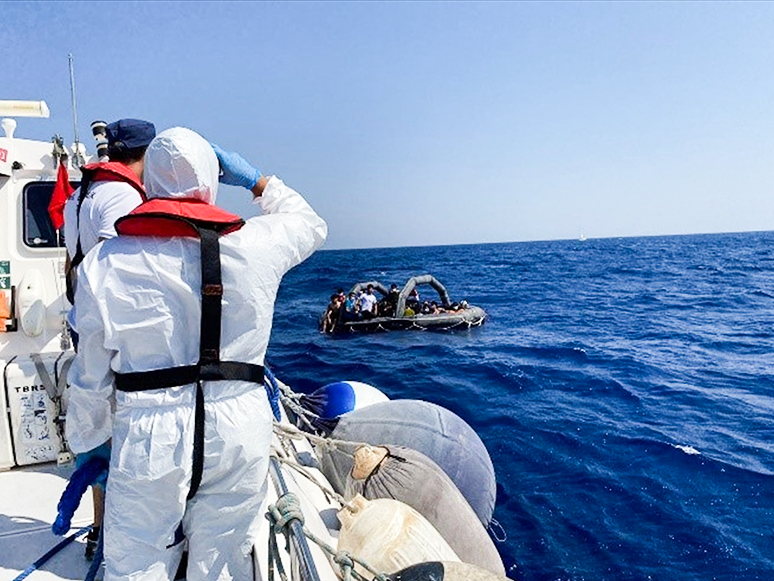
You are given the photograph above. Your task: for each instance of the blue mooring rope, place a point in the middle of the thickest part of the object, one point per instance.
(272, 390)
(51, 553)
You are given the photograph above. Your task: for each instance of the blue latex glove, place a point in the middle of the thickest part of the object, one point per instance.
(91, 470)
(236, 171)
(103, 453)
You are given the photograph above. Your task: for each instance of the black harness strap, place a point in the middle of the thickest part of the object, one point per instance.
(70, 281)
(212, 294)
(209, 367)
(176, 376)
(209, 341)
(197, 462)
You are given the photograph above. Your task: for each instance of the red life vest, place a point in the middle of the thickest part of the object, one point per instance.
(170, 217)
(111, 171)
(107, 171)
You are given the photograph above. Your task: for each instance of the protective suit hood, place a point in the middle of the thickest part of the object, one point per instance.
(180, 163)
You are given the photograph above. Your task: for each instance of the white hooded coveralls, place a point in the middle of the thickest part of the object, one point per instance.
(141, 306)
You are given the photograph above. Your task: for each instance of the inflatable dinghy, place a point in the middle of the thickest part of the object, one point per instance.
(400, 310)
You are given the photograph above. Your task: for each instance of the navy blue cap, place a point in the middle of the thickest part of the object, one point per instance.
(130, 133)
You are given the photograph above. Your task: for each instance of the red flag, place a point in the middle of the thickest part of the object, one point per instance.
(62, 191)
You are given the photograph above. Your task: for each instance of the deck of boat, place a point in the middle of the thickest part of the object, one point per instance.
(28, 507)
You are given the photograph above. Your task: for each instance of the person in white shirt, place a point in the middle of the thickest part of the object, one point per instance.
(109, 190)
(109, 195)
(368, 303)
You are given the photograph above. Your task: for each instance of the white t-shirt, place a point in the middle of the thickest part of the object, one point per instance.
(105, 203)
(367, 302)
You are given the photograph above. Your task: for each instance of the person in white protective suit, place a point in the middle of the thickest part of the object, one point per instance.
(143, 296)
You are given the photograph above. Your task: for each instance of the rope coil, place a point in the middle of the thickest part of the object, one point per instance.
(346, 564)
(284, 511)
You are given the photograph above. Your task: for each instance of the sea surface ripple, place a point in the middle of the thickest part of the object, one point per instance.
(623, 387)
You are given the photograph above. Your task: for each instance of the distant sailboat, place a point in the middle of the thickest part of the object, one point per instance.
(582, 238)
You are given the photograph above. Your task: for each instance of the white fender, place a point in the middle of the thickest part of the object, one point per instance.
(30, 298)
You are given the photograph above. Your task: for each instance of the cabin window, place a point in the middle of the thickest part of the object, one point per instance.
(38, 230)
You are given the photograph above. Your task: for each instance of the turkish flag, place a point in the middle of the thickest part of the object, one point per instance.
(62, 191)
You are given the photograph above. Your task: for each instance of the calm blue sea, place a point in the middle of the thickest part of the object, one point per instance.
(623, 387)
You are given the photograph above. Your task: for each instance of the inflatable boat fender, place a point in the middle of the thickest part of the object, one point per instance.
(389, 535)
(432, 430)
(411, 477)
(440, 571)
(336, 399)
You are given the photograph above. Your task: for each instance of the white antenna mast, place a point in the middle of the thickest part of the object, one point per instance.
(77, 158)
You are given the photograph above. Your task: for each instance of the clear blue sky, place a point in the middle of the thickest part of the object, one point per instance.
(422, 123)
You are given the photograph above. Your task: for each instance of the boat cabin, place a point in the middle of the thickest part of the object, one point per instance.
(35, 346)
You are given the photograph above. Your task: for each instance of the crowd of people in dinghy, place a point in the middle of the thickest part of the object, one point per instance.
(365, 305)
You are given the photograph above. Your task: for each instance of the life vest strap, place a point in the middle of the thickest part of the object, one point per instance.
(209, 335)
(177, 376)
